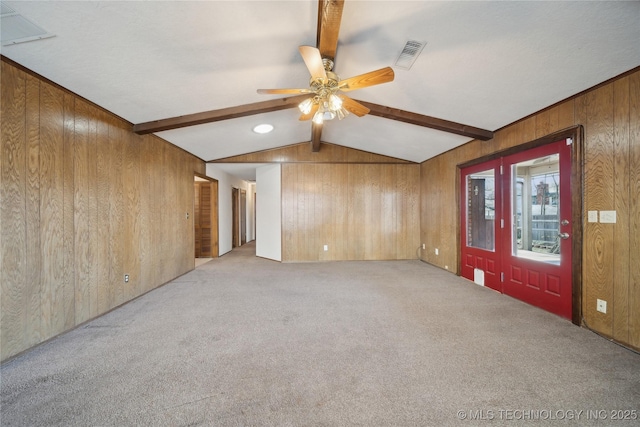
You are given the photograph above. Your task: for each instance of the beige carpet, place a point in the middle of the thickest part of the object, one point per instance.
(243, 341)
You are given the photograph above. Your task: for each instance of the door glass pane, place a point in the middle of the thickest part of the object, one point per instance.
(535, 189)
(481, 213)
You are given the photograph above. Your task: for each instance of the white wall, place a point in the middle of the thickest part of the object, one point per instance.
(268, 212)
(251, 223)
(225, 214)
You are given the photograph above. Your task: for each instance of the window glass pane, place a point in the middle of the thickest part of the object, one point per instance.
(481, 211)
(536, 209)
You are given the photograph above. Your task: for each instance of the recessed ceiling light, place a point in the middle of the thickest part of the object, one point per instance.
(263, 128)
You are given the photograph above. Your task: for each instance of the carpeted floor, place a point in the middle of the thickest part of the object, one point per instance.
(243, 341)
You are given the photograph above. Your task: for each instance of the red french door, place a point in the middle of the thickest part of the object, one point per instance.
(531, 256)
(536, 240)
(481, 200)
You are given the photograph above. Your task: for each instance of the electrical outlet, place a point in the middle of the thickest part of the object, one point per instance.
(326, 247)
(601, 306)
(437, 252)
(126, 278)
(424, 246)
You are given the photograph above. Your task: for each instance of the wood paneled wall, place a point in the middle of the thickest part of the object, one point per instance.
(302, 153)
(361, 211)
(610, 116)
(83, 202)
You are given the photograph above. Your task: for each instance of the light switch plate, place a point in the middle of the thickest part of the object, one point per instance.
(592, 216)
(608, 217)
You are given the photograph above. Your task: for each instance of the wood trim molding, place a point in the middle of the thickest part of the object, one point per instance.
(267, 157)
(574, 96)
(569, 132)
(577, 227)
(62, 88)
(204, 176)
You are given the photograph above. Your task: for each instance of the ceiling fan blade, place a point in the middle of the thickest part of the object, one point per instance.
(313, 61)
(283, 91)
(311, 113)
(329, 17)
(383, 75)
(353, 106)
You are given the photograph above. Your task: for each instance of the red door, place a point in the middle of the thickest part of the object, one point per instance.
(536, 240)
(531, 257)
(481, 215)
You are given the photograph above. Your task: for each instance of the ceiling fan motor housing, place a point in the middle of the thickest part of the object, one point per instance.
(325, 88)
(327, 63)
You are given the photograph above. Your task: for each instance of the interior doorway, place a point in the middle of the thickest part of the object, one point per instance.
(205, 218)
(521, 228)
(235, 217)
(238, 217)
(243, 217)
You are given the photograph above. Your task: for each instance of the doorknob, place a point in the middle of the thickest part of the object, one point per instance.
(563, 235)
(564, 222)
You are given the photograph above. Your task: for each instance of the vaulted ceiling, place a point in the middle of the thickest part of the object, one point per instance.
(484, 65)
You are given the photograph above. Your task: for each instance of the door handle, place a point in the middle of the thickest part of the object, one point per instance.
(563, 235)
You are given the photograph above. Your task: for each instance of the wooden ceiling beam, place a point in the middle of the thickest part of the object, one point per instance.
(329, 18)
(292, 102)
(327, 32)
(428, 121)
(316, 133)
(218, 115)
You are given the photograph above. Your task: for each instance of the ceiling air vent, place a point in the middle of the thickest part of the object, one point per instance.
(409, 54)
(15, 28)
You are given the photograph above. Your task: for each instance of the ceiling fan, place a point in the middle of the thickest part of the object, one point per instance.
(323, 84)
(327, 100)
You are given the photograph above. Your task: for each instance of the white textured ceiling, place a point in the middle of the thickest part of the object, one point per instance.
(486, 64)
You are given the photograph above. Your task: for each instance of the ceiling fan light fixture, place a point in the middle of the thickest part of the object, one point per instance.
(341, 113)
(329, 115)
(326, 109)
(335, 103)
(305, 106)
(327, 102)
(318, 118)
(263, 128)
